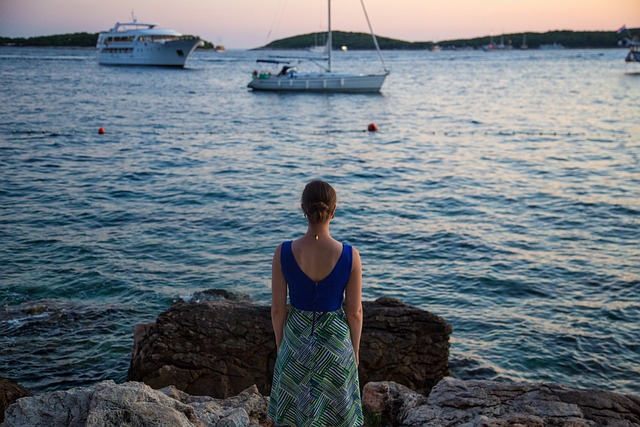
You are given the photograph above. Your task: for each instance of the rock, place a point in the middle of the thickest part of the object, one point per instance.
(470, 403)
(137, 405)
(9, 393)
(206, 348)
(58, 408)
(249, 400)
(217, 347)
(219, 294)
(403, 344)
(388, 399)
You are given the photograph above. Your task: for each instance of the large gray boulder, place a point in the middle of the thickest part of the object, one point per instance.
(478, 403)
(218, 344)
(9, 393)
(134, 404)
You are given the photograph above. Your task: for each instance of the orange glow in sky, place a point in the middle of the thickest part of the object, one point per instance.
(253, 23)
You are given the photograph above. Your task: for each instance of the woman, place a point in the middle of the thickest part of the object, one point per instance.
(315, 379)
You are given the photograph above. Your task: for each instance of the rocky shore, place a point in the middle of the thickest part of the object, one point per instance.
(208, 362)
(219, 344)
(478, 403)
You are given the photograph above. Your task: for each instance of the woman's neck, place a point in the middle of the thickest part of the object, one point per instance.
(315, 231)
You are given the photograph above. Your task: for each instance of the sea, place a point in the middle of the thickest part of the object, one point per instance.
(501, 192)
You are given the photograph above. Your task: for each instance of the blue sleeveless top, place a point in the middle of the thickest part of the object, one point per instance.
(325, 295)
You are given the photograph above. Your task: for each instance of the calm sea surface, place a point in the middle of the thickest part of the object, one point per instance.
(502, 192)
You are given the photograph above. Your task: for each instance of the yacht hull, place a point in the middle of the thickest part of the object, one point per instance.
(173, 53)
(319, 82)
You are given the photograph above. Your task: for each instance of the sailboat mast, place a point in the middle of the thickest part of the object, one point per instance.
(329, 41)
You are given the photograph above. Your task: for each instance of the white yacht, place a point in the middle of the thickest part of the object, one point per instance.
(136, 43)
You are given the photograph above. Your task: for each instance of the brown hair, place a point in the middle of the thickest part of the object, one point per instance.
(318, 200)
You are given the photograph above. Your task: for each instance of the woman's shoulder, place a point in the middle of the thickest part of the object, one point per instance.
(355, 255)
(348, 246)
(278, 250)
(276, 253)
(283, 244)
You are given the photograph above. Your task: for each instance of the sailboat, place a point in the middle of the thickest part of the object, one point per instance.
(492, 47)
(289, 79)
(320, 48)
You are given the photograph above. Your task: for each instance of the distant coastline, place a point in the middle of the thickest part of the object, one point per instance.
(362, 41)
(64, 40)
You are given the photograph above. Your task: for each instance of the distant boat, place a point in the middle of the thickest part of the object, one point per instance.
(634, 50)
(323, 49)
(496, 46)
(289, 79)
(524, 42)
(552, 46)
(136, 43)
(319, 48)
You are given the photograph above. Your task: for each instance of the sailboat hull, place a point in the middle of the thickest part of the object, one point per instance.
(320, 82)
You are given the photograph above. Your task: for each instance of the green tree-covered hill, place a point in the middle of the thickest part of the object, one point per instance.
(356, 41)
(569, 39)
(64, 40)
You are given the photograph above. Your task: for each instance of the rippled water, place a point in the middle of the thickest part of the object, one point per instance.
(502, 192)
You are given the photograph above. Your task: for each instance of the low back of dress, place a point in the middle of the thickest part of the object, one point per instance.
(325, 295)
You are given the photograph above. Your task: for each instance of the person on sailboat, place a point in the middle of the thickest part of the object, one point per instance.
(315, 378)
(287, 70)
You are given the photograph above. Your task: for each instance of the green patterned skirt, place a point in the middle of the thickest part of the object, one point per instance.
(315, 379)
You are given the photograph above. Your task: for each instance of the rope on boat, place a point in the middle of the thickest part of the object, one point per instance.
(375, 40)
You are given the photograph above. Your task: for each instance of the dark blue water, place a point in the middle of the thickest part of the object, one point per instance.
(502, 192)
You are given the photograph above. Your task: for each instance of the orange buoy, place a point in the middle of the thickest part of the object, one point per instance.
(372, 127)
(101, 131)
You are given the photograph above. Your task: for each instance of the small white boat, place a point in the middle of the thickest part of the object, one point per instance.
(136, 43)
(551, 46)
(322, 49)
(289, 79)
(634, 50)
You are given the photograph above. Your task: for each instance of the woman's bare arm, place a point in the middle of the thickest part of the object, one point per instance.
(353, 303)
(278, 297)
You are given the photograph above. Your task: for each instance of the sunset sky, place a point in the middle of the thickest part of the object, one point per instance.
(253, 23)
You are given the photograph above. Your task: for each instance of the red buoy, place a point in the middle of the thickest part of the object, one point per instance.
(101, 131)
(372, 127)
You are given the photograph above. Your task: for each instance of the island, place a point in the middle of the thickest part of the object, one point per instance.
(362, 41)
(71, 40)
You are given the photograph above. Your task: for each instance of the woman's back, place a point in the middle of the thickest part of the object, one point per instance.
(316, 258)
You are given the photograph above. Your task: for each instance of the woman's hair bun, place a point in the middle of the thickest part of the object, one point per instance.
(318, 200)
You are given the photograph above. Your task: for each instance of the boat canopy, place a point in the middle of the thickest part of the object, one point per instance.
(273, 61)
(127, 25)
